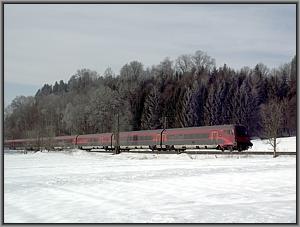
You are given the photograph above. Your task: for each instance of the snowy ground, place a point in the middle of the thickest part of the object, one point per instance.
(284, 144)
(81, 187)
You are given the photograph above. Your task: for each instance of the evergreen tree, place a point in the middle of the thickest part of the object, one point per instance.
(151, 117)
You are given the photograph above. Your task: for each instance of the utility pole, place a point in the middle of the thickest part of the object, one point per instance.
(117, 136)
(165, 122)
(161, 134)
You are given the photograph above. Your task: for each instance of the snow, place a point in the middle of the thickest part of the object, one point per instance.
(287, 144)
(80, 187)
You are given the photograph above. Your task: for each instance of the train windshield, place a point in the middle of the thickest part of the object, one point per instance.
(241, 131)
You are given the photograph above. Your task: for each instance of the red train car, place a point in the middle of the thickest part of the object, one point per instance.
(43, 142)
(21, 144)
(223, 137)
(104, 141)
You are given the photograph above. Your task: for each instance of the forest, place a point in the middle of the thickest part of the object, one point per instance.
(186, 92)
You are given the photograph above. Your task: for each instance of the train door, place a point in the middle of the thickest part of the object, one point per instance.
(157, 140)
(214, 136)
(164, 137)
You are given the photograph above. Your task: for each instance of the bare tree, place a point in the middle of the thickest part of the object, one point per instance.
(262, 69)
(272, 115)
(164, 70)
(202, 60)
(184, 63)
(108, 73)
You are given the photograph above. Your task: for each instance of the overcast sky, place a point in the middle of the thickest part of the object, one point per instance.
(44, 43)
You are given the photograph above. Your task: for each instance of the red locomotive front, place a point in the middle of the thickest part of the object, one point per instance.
(242, 138)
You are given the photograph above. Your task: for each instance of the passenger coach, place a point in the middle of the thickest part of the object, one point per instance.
(222, 137)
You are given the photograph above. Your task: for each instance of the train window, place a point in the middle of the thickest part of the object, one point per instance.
(203, 136)
(229, 132)
(187, 136)
(196, 136)
(171, 137)
(135, 137)
(241, 131)
(193, 136)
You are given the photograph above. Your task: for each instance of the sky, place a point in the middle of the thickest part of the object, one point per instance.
(44, 43)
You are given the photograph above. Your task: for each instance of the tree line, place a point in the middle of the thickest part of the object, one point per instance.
(188, 91)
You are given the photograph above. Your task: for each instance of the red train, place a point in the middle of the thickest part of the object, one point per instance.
(222, 137)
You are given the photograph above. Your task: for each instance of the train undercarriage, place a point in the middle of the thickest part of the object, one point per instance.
(176, 148)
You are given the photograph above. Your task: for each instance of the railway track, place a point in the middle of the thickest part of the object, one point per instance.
(244, 153)
(201, 152)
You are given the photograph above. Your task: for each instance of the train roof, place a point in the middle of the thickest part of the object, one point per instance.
(229, 126)
(205, 127)
(97, 134)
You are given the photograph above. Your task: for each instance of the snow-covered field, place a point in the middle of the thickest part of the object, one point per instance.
(81, 187)
(284, 144)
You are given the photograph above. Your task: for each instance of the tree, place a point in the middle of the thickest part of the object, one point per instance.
(128, 87)
(272, 114)
(247, 110)
(151, 117)
(132, 72)
(200, 99)
(229, 101)
(284, 74)
(164, 71)
(202, 61)
(44, 91)
(108, 72)
(292, 99)
(258, 83)
(186, 115)
(184, 63)
(262, 70)
(82, 81)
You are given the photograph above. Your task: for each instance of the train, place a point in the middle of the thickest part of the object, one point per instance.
(221, 137)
